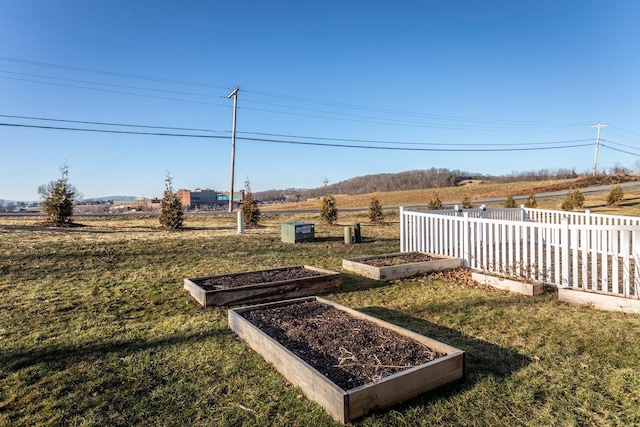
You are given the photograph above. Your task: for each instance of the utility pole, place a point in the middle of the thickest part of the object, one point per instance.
(595, 161)
(233, 94)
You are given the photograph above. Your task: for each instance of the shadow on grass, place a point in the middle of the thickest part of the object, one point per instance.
(626, 202)
(81, 229)
(35, 227)
(365, 239)
(356, 283)
(327, 239)
(482, 359)
(61, 356)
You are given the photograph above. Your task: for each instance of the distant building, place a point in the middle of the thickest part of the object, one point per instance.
(126, 205)
(207, 199)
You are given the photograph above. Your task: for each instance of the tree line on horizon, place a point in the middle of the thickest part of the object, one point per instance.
(409, 180)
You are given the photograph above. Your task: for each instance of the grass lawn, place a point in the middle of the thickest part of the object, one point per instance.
(95, 329)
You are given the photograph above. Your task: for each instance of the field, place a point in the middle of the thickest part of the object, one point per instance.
(95, 329)
(476, 191)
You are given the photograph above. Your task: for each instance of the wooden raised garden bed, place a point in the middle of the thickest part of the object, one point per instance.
(399, 265)
(348, 362)
(599, 300)
(262, 285)
(506, 284)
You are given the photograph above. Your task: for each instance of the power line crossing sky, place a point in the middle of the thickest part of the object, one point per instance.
(126, 91)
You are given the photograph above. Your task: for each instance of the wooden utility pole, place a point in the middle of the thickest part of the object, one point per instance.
(595, 161)
(233, 94)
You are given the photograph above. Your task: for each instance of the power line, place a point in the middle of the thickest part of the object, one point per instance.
(620, 151)
(373, 141)
(629, 131)
(369, 120)
(185, 135)
(295, 142)
(378, 122)
(97, 83)
(402, 122)
(116, 91)
(111, 73)
(617, 143)
(622, 135)
(109, 124)
(415, 149)
(295, 136)
(400, 112)
(488, 122)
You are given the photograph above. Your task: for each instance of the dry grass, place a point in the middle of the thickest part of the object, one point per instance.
(476, 191)
(421, 197)
(95, 329)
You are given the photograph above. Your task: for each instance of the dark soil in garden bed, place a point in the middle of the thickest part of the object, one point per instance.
(347, 350)
(398, 259)
(254, 278)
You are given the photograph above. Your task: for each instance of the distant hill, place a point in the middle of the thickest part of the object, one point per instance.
(409, 180)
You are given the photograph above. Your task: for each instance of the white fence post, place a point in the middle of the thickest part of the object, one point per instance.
(403, 231)
(565, 257)
(635, 248)
(466, 242)
(587, 216)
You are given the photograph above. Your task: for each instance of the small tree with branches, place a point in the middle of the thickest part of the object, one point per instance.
(250, 208)
(171, 216)
(375, 208)
(615, 196)
(531, 201)
(58, 197)
(435, 203)
(577, 198)
(510, 202)
(466, 202)
(574, 199)
(328, 208)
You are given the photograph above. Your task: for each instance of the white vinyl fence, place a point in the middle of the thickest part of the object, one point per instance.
(569, 249)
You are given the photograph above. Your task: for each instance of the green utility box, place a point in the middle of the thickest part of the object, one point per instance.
(295, 232)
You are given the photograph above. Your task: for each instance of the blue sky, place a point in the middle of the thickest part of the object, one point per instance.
(491, 75)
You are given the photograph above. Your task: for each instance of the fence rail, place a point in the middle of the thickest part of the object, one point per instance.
(575, 250)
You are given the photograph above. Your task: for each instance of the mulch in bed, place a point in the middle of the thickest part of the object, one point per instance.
(398, 259)
(349, 351)
(254, 278)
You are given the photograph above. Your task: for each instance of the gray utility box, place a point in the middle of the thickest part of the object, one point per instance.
(295, 232)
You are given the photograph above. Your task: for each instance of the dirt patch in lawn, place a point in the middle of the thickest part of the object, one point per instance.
(407, 258)
(254, 278)
(347, 350)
